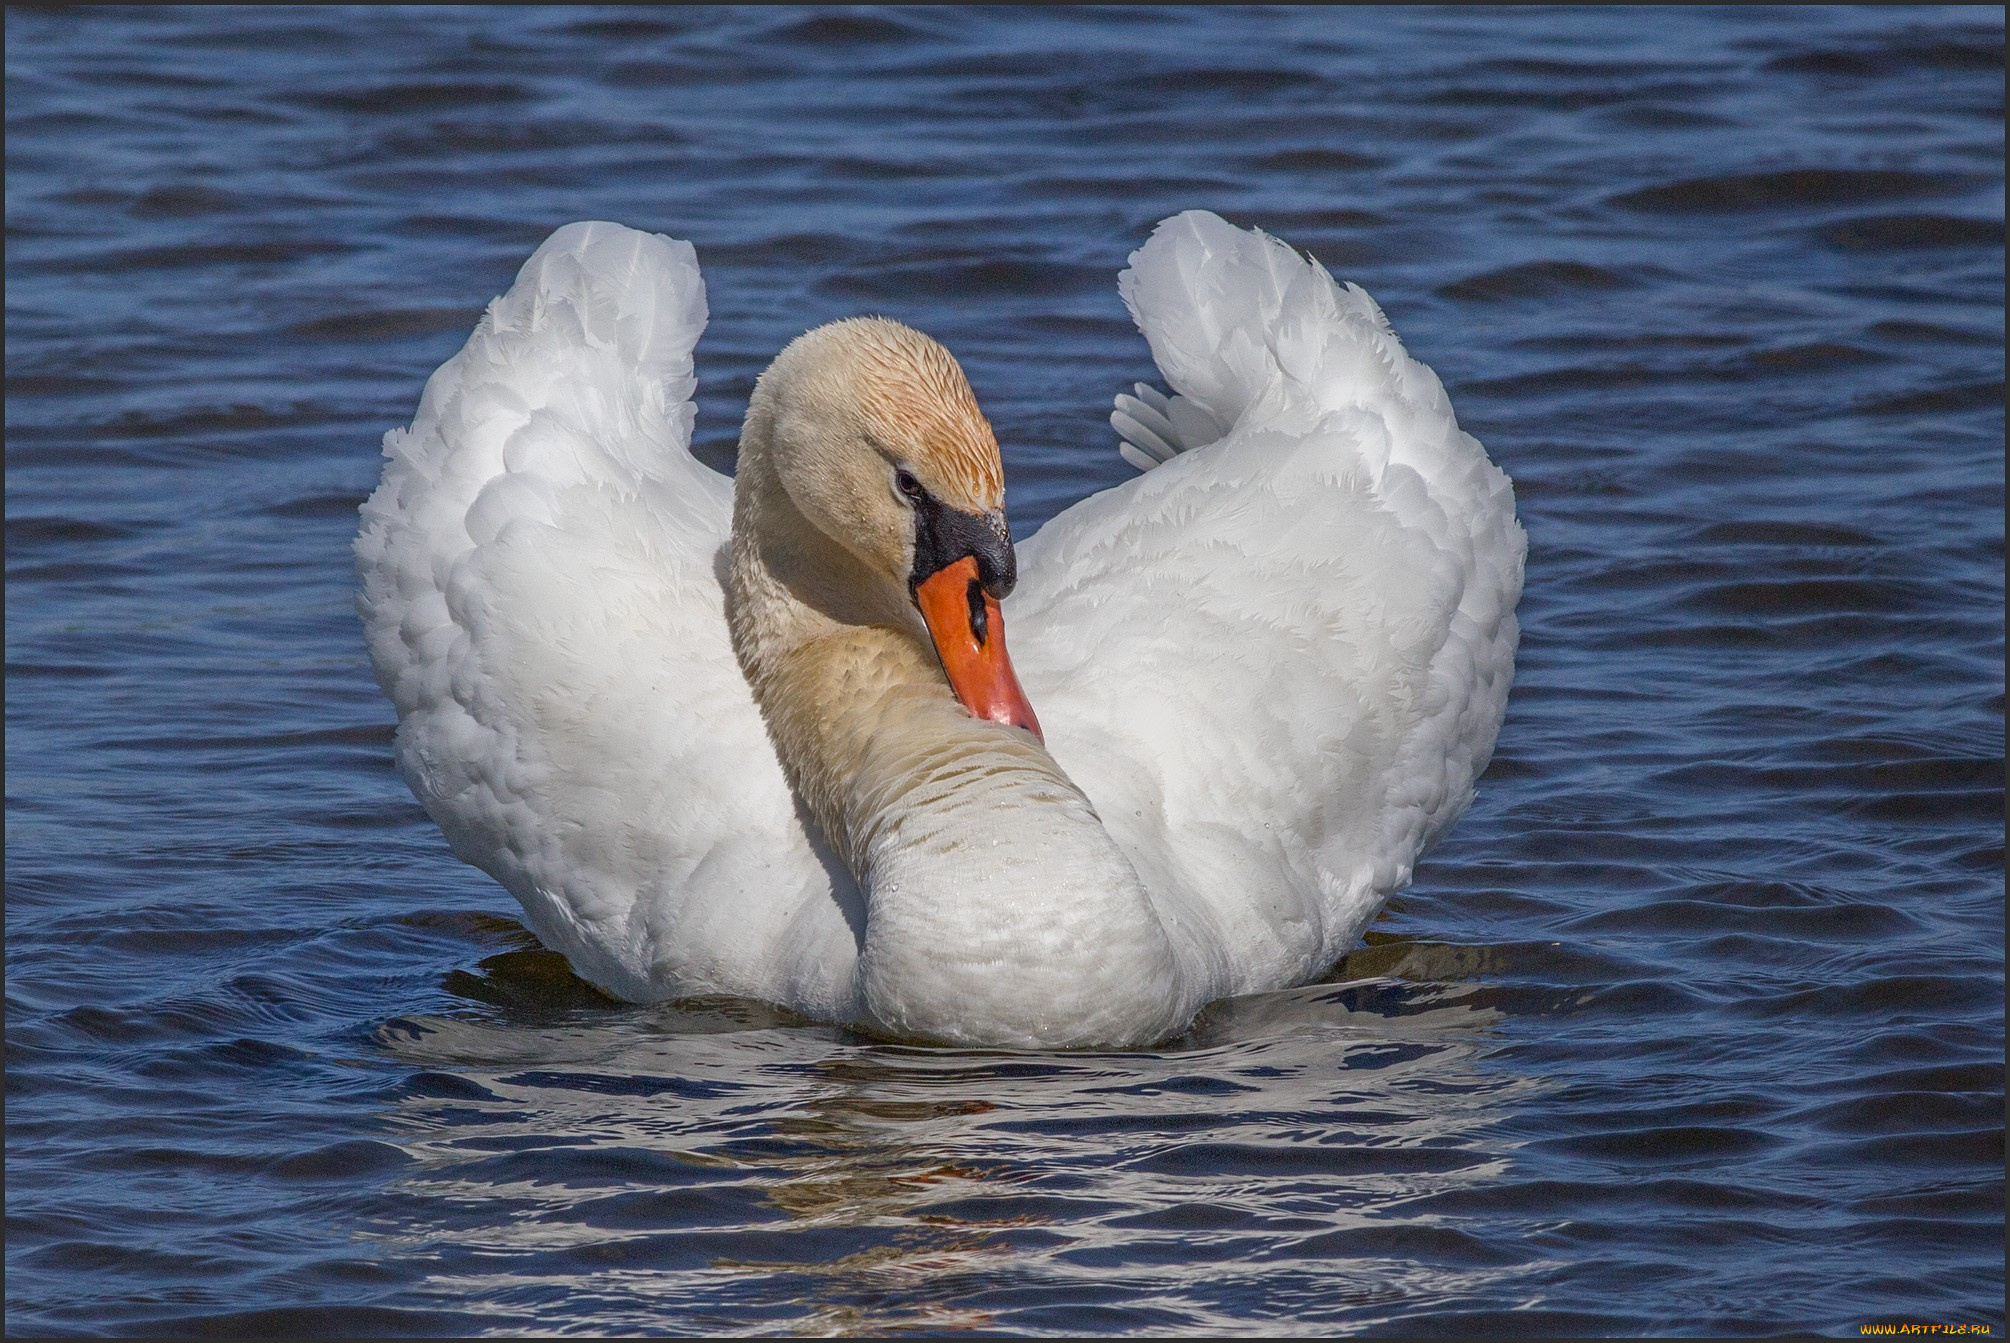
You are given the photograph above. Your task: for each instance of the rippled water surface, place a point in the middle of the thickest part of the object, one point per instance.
(1693, 1024)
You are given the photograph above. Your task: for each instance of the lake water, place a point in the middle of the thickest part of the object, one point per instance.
(1694, 1024)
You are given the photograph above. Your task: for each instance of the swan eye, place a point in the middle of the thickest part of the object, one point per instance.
(908, 485)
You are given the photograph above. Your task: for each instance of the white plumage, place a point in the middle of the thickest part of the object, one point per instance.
(1275, 663)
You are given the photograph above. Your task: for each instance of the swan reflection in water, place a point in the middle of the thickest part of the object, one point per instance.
(621, 1163)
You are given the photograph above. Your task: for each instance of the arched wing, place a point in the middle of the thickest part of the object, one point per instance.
(540, 586)
(1277, 661)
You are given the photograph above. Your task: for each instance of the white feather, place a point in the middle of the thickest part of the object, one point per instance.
(542, 604)
(1278, 662)
(1275, 663)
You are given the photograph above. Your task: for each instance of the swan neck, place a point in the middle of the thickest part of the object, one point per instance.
(830, 648)
(999, 911)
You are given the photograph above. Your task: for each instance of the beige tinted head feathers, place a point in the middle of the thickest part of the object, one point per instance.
(906, 396)
(872, 431)
(908, 382)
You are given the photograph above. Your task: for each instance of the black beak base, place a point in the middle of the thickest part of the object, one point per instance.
(944, 535)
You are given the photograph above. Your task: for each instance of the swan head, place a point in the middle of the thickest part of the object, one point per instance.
(876, 437)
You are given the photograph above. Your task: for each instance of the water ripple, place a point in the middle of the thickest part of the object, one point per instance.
(1694, 1024)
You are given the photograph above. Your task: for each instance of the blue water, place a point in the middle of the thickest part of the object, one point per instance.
(1694, 1024)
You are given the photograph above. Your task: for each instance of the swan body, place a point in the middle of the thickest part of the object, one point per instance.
(708, 731)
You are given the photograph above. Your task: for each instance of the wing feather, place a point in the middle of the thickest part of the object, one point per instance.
(540, 590)
(1277, 662)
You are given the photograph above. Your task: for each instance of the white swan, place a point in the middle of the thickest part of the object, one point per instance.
(699, 727)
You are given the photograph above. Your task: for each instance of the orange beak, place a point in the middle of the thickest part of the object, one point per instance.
(969, 634)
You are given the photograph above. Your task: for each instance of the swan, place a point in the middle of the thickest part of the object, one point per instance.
(762, 736)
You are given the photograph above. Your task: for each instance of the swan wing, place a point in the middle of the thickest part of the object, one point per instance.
(1277, 660)
(540, 587)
